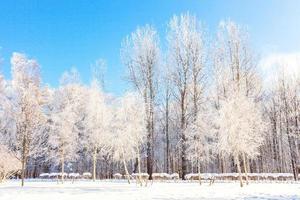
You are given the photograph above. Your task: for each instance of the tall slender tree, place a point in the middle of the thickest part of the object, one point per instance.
(98, 117)
(140, 53)
(128, 131)
(185, 55)
(66, 114)
(27, 104)
(241, 129)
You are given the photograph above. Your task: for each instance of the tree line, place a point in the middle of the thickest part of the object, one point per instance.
(197, 103)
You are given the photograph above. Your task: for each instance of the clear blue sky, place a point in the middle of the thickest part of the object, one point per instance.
(65, 33)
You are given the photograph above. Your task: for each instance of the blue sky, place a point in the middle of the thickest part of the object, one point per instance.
(62, 34)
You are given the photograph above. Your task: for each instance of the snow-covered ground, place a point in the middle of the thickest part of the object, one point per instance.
(107, 190)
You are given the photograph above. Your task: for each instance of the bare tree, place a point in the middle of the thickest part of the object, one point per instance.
(285, 104)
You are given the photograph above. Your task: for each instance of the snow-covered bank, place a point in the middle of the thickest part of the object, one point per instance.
(105, 190)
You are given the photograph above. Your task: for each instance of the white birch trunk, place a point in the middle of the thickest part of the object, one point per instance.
(245, 168)
(126, 171)
(239, 170)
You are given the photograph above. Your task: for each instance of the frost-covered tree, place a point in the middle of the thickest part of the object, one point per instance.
(5, 105)
(140, 54)
(128, 130)
(185, 56)
(8, 142)
(27, 100)
(81, 121)
(234, 71)
(201, 140)
(283, 112)
(166, 98)
(66, 114)
(97, 122)
(234, 63)
(9, 163)
(241, 129)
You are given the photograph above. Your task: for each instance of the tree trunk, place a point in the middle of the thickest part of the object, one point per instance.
(288, 134)
(24, 158)
(135, 166)
(149, 157)
(183, 138)
(167, 132)
(126, 171)
(94, 164)
(62, 165)
(245, 168)
(237, 160)
(294, 165)
(199, 172)
(139, 167)
(23, 171)
(149, 113)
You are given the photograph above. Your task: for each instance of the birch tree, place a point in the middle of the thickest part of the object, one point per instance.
(129, 130)
(27, 104)
(241, 129)
(66, 114)
(97, 122)
(234, 67)
(201, 140)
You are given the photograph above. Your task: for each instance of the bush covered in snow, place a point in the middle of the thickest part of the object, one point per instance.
(9, 164)
(86, 175)
(117, 176)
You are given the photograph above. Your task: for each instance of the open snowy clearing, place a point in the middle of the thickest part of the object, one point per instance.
(46, 190)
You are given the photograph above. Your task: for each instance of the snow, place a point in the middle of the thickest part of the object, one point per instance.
(143, 175)
(255, 176)
(55, 174)
(87, 174)
(119, 189)
(174, 176)
(203, 176)
(117, 175)
(161, 175)
(74, 175)
(44, 175)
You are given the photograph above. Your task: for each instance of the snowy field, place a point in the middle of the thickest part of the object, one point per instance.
(106, 190)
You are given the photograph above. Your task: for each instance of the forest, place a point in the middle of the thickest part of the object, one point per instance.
(197, 102)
